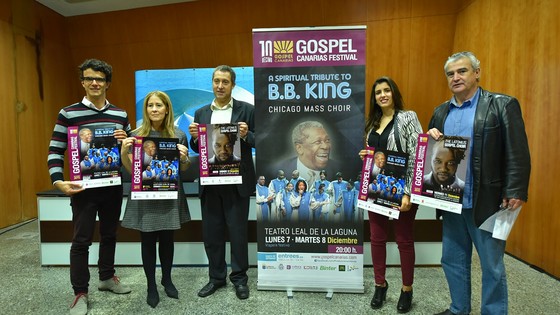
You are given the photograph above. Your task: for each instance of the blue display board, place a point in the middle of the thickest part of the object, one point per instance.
(189, 89)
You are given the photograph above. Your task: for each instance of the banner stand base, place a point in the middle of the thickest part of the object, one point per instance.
(329, 295)
(290, 293)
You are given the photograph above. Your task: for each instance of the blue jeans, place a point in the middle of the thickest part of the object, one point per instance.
(459, 233)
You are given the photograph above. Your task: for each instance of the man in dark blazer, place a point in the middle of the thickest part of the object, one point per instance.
(497, 177)
(227, 206)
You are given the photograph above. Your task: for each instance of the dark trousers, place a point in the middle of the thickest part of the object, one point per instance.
(404, 236)
(104, 202)
(223, 207)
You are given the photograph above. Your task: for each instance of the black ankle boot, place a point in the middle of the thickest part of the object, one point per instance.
(170, 289)
(153, 297)
(405, 302)
(379, 295)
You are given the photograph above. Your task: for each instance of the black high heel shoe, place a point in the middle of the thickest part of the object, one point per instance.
(379, 296)
(170, 289)
(153, 298)
(405, 301)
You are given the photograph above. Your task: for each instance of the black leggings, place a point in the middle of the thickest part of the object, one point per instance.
(166, 249)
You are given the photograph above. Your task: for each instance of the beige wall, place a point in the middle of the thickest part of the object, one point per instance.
(10, 199)
(518, 45)
(31, 82)
(515, 40)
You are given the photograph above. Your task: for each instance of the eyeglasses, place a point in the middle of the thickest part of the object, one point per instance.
(96, 79)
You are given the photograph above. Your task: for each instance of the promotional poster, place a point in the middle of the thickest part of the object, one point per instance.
(219, 151)
(94, 156)
(155, 168)
(440, 171)
(309, 114)
(383, 182)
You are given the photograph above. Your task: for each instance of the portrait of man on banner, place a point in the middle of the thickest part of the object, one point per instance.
(312, 147)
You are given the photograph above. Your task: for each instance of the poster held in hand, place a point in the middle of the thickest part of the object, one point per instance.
(439, 173)
(219, 150)
(94, 156)
(383, 182)
(155, 168)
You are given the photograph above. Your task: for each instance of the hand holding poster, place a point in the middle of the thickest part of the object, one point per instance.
(220, 154)
(439, 174)
(383, 182)
(155, 168)
(94, 156)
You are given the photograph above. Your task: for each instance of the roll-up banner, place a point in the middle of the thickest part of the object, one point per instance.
(309, 116)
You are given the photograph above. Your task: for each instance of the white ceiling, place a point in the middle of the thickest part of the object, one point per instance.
(81, 7)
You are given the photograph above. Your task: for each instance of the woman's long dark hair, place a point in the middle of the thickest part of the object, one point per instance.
(375, 112)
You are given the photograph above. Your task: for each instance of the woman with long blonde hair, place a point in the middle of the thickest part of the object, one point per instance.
(157, 219)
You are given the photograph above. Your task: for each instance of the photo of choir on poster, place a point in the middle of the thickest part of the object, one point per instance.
(155, 168)
(383, 182)
(94, 155)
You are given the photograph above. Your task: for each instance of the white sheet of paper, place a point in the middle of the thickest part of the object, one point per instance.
(501, 223)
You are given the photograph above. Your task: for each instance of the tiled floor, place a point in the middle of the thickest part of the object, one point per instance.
(27, 288)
